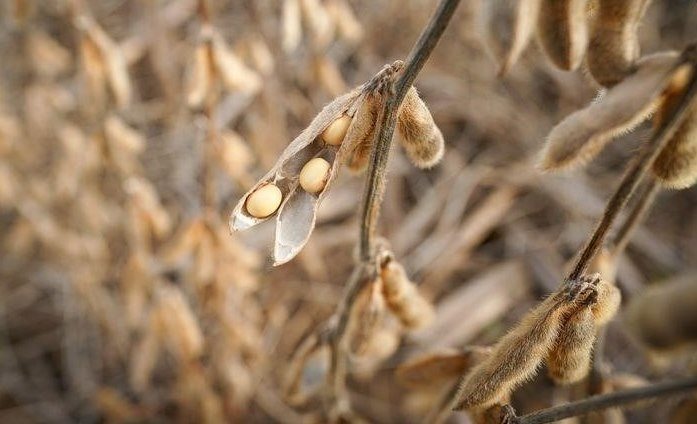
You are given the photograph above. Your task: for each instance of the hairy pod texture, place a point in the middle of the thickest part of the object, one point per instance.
(614, 46)
(419, 134)
(366, 314)
(363, 132)
(582, 135)
(403, 298)
(517, 356)
(570, 358)
(562, 31)
(676, 165)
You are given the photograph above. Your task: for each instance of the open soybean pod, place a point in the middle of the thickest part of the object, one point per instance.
(509, 24)
(582, 135)
(562, 30)
(295, 207)
(614, 44)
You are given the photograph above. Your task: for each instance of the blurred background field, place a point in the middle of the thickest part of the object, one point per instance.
(123, 297)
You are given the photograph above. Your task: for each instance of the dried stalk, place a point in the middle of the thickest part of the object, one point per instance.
(374, 191)
(635, 217)
(637, 169)
(610, 400)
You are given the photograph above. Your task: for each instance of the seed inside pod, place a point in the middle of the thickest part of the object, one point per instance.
(264, 201)
(336, 131)
(313, 176)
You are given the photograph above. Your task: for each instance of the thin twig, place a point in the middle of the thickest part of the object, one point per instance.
(635, 217)
(610, 400)
(375, 183)
(637, 169)
(374, 190)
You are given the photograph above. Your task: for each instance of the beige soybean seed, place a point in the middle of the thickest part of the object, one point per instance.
(336, 131)
(313, 176)
(264, 201)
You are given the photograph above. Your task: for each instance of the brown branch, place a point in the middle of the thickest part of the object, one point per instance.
(635, 217)
(638, 168)
(375, 183)
(610, 400)
(374, 191)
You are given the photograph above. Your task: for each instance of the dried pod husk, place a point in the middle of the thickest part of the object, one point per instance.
(291, 25)
(583, 134)
(180, 328)
(663, 316)
(517, 356)
(113, 60)
(436, 369)
(318, 22)
(419, 135)
(562, 31)
(614, 45)
(509, 25)
(49, 58)
(145, 354)
(297, 213)
(199, 83)
(236, 76)
(676, 165)
(347, 25)
(403, 297)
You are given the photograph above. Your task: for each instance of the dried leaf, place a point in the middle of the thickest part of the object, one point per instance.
(439, 367)
(584, 133)
(509, 26)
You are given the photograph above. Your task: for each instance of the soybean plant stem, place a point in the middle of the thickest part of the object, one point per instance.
(610, 400)
(637, 169)
(375, 182)
(375, 188)
(635, 217)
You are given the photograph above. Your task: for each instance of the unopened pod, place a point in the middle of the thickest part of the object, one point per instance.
(562, 31)
(614, 45)
(663, 317)
(676, 165)
(516, 357)
(569, 359)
